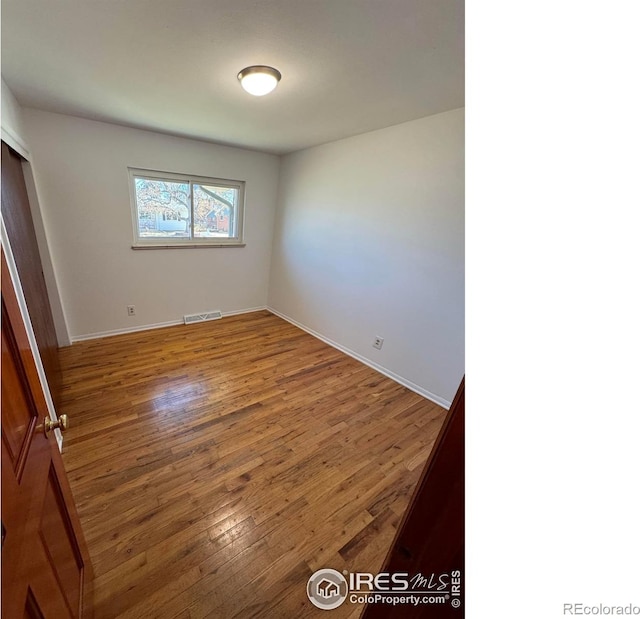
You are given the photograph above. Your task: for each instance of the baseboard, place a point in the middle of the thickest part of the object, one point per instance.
(158, 325)
(99, 334)
(347, 351)
(375, 366)
(244, 311)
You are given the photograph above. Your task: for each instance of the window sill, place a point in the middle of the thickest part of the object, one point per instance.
(187, 246)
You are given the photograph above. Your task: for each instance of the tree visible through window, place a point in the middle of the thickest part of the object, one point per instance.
(172, 209)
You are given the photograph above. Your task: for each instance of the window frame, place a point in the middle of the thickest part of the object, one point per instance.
(190, 241)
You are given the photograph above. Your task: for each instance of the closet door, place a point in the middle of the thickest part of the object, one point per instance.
(16, 214)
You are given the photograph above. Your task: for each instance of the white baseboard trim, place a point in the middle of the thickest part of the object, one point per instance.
(98, 334)
(157, 325)
(347, 351)
(244, 311)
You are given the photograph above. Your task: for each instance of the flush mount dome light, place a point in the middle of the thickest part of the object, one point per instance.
(259, 80)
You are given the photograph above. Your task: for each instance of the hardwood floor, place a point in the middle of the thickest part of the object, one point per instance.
(216, 466)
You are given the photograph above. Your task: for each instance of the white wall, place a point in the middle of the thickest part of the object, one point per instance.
(13, 133)
(81, 173)
(369, 240)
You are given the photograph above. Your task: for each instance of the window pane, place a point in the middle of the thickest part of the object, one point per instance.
(214, 211)
(163, 208)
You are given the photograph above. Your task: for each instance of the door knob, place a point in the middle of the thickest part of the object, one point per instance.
(62, 423)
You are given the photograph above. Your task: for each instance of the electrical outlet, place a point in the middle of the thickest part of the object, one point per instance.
(131, 310)
(378, 342)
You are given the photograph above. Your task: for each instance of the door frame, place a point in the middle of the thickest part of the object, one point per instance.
(15, 280)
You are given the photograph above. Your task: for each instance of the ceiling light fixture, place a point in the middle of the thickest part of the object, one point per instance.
(259, 80)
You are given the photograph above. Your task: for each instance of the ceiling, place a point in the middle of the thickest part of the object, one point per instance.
(348, 66)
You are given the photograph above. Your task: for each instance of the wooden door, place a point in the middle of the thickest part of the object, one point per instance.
(45, 563)
(430, 539)
(16, 213)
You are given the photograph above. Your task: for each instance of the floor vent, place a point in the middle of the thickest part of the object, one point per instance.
(191, 318)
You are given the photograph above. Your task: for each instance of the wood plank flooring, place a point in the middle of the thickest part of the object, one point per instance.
(216, 466)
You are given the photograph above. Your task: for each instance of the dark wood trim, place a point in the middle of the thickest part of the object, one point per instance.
(430, 538)
(16, 213)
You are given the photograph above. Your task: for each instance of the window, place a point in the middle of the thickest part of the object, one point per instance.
(178, 210)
